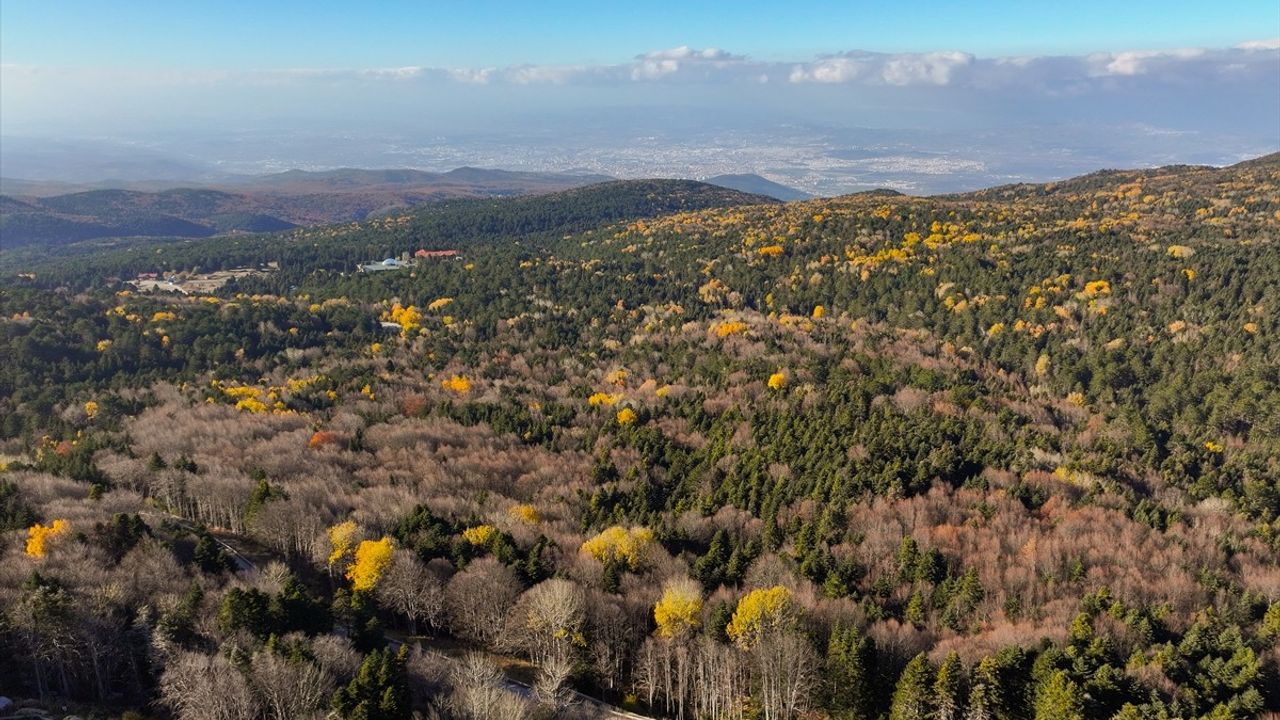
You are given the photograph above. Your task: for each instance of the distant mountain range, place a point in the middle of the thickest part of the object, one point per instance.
(756, 185)
(34, 212)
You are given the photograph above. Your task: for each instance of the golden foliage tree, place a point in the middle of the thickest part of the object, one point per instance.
(620, 544)
(342, 538)
(525, 513)
(457, 384)
(758, 613)
(679, 611)
(372, 558)
(479, 535)
(38, 536)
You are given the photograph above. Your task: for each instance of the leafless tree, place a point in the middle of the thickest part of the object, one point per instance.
(614, 633)
(412, 590)
(787, 674)
(336, 656)
(478, 598)
(479, 691)
(207, 687)
(546, 622)
(290, 688)
(552, 685)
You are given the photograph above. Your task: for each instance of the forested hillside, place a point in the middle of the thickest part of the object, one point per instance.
(1013, 454)
(253, 204)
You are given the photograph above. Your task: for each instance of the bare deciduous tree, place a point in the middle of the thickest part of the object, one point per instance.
(552, 686)
(547, 620)
(412, 590)
(788, 674)
(480, 692)
(290, 688)
(477, 600)
(207, 687)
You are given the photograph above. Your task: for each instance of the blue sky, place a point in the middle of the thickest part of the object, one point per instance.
(244, 35)
(922, 94)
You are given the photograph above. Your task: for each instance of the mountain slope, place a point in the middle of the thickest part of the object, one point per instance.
(264, 203)
(446, 224)
(1031, 435)
(757, 185)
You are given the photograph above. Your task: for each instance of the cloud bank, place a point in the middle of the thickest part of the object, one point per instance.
(951, 68)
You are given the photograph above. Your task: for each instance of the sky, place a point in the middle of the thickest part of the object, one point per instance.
(804, 91)
(255, 35)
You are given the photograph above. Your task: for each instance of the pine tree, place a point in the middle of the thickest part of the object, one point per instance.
(1004, 681)
(915, 609)
(850, 668)
(980, 705)
(1059, 699)
(209, 555)
(911, 698)
(948, 689)
(379, 691)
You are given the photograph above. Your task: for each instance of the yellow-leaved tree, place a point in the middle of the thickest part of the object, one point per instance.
(372, 558)
(679, 611)
(777, 381)
(759, 613)
(479, 535)
(525, 513)
(1042, 364)
(409, 318)
(457, 384)
(38, 536)
(620, 544)
(342, 539)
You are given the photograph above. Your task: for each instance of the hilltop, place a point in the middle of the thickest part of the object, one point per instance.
(250, 204)
(759, 186)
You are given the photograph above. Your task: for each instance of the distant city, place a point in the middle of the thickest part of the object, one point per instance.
(818, 160)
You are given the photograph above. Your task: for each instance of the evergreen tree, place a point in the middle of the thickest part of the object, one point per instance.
(379, 691)
(915, 609)
(850, 668)
(980, 703)
(911, 698)
(948, 689)
(1059, 699)
(210, 556)
(247, 609)
(1005, 677)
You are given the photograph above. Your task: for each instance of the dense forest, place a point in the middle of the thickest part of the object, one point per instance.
(661, 448)
(34, 213)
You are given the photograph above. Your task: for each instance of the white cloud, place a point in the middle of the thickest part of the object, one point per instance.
(545, 74)
(1139, 62)
(684, 52)
(472, 76)
(927, 69)
(829, 70)
(936, 68)
(1256, 61)
(1272, 44)
(652, 69)
(400, 73)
